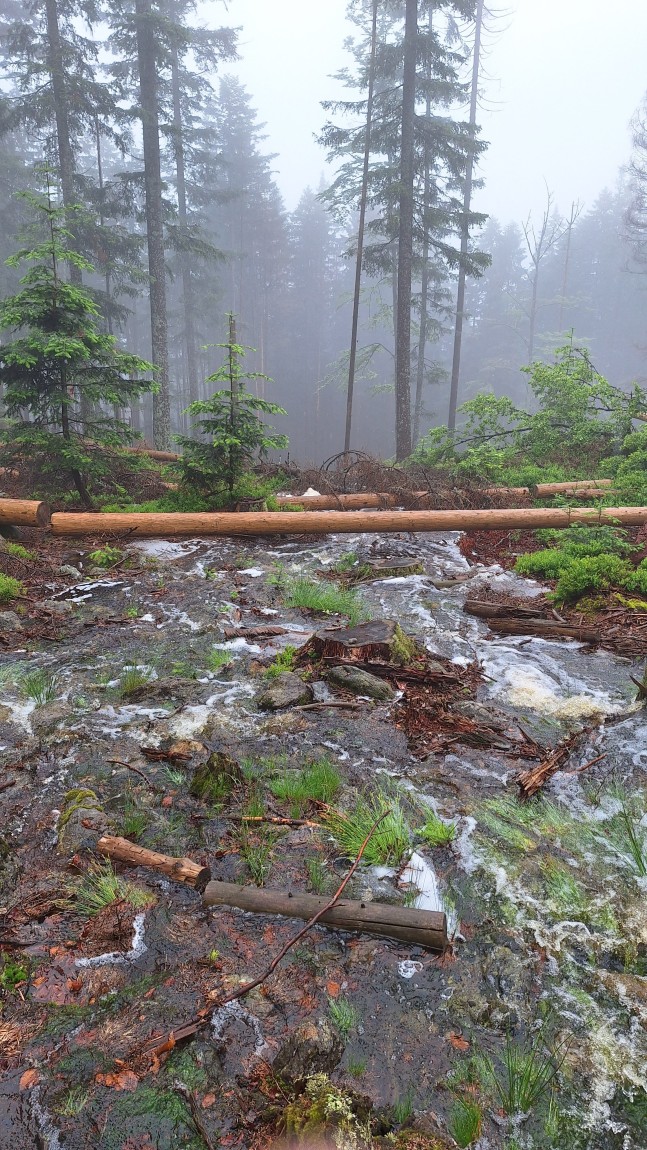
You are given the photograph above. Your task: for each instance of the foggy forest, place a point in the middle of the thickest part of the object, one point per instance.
(323, 575)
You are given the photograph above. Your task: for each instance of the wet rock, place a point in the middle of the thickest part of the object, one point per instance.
(70, 572)
(48, 717)
(5, 714)
(176, 689)
(9, 621)
(470, 709)
(82, 820)
(314, 1048)
(360, 682)
(286, 690)
(509, 983)
(56, 607)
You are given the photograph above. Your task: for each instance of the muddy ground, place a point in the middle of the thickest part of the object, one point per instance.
(545, 981)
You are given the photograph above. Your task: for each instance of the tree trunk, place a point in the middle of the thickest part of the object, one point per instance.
(360, 231)
(465, 231)
(424, 285)
(405, 239)
(154, 219)
(188, 302)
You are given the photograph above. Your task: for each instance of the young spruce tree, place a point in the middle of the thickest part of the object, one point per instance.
(234, 434)
(57, 360)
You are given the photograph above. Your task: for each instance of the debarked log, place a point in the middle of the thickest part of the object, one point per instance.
(418, 927)
(24, 513)
(179, 869)
(168, 525)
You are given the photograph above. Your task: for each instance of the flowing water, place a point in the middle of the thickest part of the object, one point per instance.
(546, 902)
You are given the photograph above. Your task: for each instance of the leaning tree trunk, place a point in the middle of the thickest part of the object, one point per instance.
(465, 229)
(405, 239)
(360, 231)
(149, 112)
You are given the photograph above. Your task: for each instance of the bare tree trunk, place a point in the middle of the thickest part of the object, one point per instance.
(465, 231)
(154, 219)
(360, 231)
(185, 266)
(405, 239)
(424, 285)
(538, 246)
(576, 209)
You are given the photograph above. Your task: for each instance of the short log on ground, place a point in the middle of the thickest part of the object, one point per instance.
(179, 869)
(171, 525)
(24, 513)
(543, 628)
(417, 927)
(381, 640)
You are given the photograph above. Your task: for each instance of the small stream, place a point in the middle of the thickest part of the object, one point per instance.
(546, 902)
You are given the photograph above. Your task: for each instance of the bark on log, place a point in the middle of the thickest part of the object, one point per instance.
(164, 526)
(180, 870)
(24, 513)
(486, 610)
(544, 629)
(571, 486)
(418, 927)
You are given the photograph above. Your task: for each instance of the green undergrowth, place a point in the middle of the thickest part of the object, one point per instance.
(390, 841)
(325, 599)
(283, 661)
(437, 833)
(10, 588)
(318, 781)
(584, 560)
(187, 500)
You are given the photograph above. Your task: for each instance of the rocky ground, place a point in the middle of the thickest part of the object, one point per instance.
(124, 687)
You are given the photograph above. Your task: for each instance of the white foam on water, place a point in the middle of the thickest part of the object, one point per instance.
(420, 874)
(239, 644)
(137, 948)
(253, 572)
(532, 678)
(408, 968)
(234, 1011)
(165, 549)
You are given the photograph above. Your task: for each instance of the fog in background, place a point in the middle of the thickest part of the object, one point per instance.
(562, 79)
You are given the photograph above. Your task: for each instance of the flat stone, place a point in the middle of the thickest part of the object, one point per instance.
(9, 621)
(286, 690)
(360, 682)
(64, 607)
(314, 1048)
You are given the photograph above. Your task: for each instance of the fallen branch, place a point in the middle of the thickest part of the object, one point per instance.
(123, 763)
(188, 1029)
(323, 706)
(529, 782)
(179, 869)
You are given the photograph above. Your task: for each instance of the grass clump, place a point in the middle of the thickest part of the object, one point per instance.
(40, 685)
(403, 1108)
(256, 850)
(527, 1074)
(465, 1121)
(101, 886)
(344, 1015)
(10, 588)
(437, 833)
(73, 1102)
(326, 599)
(283, 661)
(317, 877)
(627, 836)
(389, 843)
(218, 659)
(132, 678)
(17, 551)
(318, 781)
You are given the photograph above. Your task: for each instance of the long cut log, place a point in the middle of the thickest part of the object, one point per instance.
(179, 869)
(570, 486)
(160, 525)
(486, 610)
(419, 927)
(24, 513)
(544, 629)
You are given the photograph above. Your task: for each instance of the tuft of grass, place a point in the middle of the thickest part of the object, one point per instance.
(319, 781)
(256, 850)
(74, 1102)
(40, 685)
(12, 973)
(134, 821)
(284, 661)
(437, 833)
(357, 1067)
(10, 588)
(344, 1015)
(218, 659)
(465, 1121)
(132, 678)
(528, 1073)
(326, 599)
(317, 877)
(101, 886)
(391, 840)
(175, 776)
(403, 1108)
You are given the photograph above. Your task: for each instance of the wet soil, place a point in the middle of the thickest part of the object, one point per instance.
(546, 904)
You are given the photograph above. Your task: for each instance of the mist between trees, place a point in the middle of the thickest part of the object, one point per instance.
(158, 156)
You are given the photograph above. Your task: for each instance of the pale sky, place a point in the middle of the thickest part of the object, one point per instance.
(563, 80)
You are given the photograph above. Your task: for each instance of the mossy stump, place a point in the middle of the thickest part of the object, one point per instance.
(380, 641)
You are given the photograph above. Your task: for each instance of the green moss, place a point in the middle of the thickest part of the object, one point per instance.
(325, 1109)
(79, 798)
(10, 588)
(402, 649)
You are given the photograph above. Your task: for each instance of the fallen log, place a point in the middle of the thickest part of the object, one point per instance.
(24, 513)
(570, 486)
(544, 629)
(162, 525)
(486, 610)
(180, 870)
(418, 927)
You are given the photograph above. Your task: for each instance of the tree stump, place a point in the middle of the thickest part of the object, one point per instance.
(380, 641)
